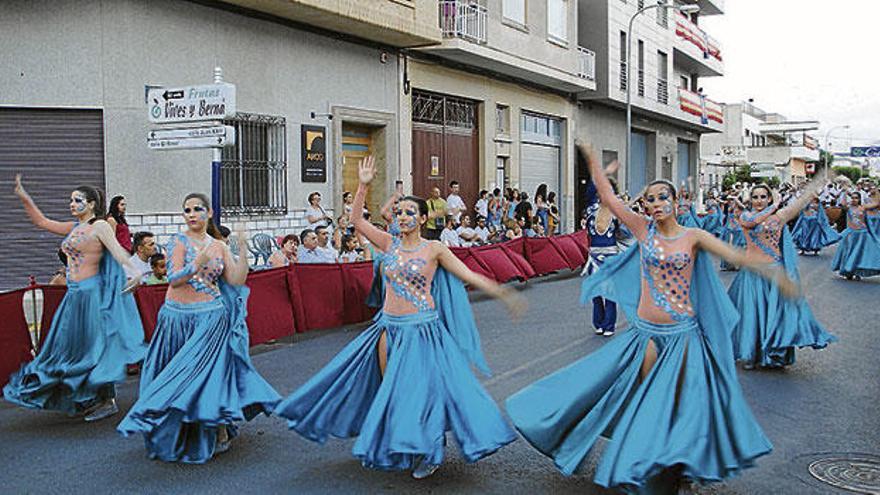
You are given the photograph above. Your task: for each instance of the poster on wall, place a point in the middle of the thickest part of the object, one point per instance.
(314, 154)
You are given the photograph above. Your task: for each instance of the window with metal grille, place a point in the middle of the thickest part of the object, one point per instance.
(253, 173)
(663, 17)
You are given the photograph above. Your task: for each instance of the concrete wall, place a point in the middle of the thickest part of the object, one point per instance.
(490, 92)
(605, 128)
(101, 53)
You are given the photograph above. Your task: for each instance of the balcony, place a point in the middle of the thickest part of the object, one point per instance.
(695, 50)
(709, 7)
(700, 109)
(586, 64)
(474, 35)
(463, 19)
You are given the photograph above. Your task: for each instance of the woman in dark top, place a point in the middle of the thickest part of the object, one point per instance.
(116, 219)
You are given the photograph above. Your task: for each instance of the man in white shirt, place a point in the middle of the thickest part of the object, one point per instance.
(308, 249)
(482, 206)
(454, 204)
(327, 251)
(144, 245)
(467, 236)
(449, 236)
(483, 232)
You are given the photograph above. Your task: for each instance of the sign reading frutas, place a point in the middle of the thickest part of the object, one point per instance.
(314, 154)
(191, 103)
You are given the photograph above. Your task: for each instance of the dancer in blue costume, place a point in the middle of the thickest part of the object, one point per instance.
(96, 329)
(603, 231)
(772, 326)
(198, 380)
(872, 216)
(731, 231)
(812, 232)
(406, 380)
(858, 254)
(687, 214)
(664, 391)
(713, 221)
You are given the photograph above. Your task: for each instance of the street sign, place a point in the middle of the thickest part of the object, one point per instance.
(865, 151)
(764, 170)
(193, 132)
(191, 103)
(191, 143)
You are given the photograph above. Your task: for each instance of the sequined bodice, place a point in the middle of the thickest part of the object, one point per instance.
(182, 262)
(597, 237)
(764, 239)
(855, 218)
(408, 276)
(83, 251)
(667, 266)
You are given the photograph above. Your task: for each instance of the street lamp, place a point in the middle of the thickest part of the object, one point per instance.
(828, 145)
(684, 9)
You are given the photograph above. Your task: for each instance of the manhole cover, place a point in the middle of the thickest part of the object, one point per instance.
(856, 474)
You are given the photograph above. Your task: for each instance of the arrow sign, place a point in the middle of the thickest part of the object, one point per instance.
(172, 95)
(192, 138)
(192, 132)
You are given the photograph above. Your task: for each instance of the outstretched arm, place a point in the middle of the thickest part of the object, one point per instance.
(236, 272)
(36, 216)
(366, 172)
(107, 236)
(774, 274)
(794, 208)
(516, 304)
(637, 225)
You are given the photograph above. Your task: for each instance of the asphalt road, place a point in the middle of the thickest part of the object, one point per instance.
(826, 403)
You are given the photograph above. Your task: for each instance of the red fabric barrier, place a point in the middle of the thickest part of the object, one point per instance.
(544, 256)
(52, 296)
(467, 257)
(568, 247)
(149, 300)
(498, 261)
(583, 242)
(357, 279)
(515, 250)
(15, 340)
(269, 308)
(317, 296)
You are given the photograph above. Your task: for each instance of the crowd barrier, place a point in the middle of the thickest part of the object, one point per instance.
(302, 298)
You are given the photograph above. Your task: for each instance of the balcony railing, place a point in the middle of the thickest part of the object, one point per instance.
(699, 105)
(463, 19)
(586, 64)
(688, 31)
(663, 91)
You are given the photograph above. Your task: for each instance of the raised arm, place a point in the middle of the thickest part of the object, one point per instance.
(381, 240)
(794, 208)
(637, 225)
(774, 274)
(105, 234)
(36, 216)
(516, 303)
(236, 272)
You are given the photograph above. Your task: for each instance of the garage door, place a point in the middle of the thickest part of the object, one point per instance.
(540, 153)
(55, 150)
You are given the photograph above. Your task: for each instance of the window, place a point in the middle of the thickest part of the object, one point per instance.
(663, 17)
(641, 75)
(683, 82)
(253, 173)
(502, 179)
(557, 19)
(662, 78)
(514, 10)
(641, 4)
(623, 61)
(502, 119)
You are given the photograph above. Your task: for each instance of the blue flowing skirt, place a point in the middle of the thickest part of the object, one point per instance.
(193, 381)
(873, 222)
(428, 389)
(857, 254)
(688, 412)
(83, 355)
(772, 326)
(810, 235)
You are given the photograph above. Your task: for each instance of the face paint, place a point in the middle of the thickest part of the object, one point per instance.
(80, 202)
(667, 209)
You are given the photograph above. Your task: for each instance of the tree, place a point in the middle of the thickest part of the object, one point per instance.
(853, 173)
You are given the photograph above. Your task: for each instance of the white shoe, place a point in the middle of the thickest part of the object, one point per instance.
(423, 469)
(105, 410)
(608, 333)
(599, 331)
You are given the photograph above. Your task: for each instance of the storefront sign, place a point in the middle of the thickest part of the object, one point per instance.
(314, 154)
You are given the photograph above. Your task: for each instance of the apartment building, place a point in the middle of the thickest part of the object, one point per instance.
(670, 54)
(773, 145)
(73, 106)
(492, 105)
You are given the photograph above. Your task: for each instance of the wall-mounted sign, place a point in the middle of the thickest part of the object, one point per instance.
(865, 151)
(191, 103)
(435, 165)
(217, 136)
(314, 154)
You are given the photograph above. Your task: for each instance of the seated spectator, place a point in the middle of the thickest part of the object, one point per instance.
(466, 233)
(309, 251)
(538, 228)
(60, 277)
(484, 233)
(144, 246)
(159, 274)
(527, 225)
(514, 232)
(449, 236)
(327, 250)
(286, 254)
(349, 250)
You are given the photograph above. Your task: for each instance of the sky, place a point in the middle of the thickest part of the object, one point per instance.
(806, 59)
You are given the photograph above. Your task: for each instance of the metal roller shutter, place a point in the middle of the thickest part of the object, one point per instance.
(55, 150)
(540, 165)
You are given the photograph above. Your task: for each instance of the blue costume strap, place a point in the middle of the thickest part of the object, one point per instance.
(619, 280)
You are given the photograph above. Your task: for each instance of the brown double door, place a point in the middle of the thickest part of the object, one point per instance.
(445, 145)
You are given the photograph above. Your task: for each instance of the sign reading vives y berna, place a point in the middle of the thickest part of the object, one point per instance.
(191, 103)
